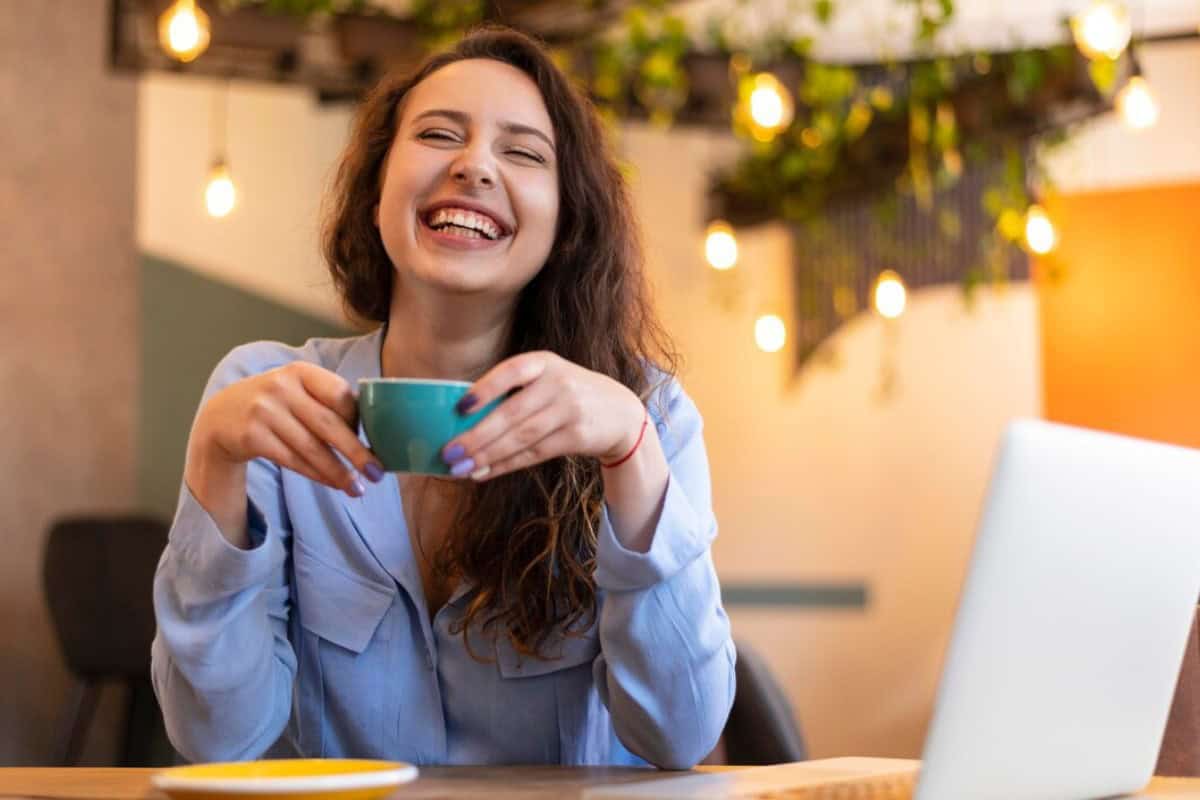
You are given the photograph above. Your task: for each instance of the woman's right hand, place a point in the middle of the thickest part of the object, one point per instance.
(296, 415)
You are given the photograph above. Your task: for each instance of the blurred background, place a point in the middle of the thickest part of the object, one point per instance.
(878, 229)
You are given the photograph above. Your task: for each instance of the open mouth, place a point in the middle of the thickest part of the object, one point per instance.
(464, 224)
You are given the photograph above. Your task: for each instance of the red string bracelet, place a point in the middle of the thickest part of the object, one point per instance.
(636, 445)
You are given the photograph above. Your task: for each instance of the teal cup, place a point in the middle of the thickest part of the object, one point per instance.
(408, 421)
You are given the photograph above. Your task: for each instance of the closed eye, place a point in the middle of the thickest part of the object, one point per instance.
(441, 135)
(529, 155)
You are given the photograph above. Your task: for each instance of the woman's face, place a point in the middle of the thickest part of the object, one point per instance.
(469, 201)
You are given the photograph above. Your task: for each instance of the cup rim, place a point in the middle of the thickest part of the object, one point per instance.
(435, 381)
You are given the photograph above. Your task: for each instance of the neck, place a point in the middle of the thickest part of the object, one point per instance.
(457, 337)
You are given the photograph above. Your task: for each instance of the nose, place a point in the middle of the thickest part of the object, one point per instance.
(473, 170)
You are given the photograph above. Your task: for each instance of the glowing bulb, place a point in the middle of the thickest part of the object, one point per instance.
(183, 30)
(1137, 105)
(1102, 30)
(220, 196)
(890, 294)
(771, 106)
(769, 333)
(720, 246)
(1039, 231)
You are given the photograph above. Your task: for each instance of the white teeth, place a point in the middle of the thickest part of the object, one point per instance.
(465, 219)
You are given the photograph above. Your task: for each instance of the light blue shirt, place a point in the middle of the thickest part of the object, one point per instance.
(317, 642)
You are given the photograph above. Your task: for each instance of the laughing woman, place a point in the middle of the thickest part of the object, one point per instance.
(556, 601)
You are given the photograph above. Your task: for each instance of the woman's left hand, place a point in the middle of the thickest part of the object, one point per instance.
(561, 409)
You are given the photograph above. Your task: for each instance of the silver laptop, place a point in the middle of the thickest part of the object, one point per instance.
(1070, 633)
(1072, 622)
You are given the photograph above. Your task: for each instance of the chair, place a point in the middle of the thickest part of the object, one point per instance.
(1180, 752)
(97, 575)
(762, 727)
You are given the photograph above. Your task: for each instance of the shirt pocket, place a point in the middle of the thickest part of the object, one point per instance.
(568, 652)
(345, 655)
(582, 726)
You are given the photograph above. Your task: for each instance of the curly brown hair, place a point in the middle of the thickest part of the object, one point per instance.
(526, 540)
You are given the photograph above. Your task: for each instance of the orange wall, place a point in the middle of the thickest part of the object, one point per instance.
(1120, 312)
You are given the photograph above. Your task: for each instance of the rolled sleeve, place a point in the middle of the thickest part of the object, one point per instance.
(680, 537)
(211, 567)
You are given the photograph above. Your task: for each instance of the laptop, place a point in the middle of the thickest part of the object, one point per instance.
(1068, 639)
(1072, 622)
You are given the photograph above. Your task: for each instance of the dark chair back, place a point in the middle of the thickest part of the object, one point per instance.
(98, 573)
(1180, 752)
(762, 727)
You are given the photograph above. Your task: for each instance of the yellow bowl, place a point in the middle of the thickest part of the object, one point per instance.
(285, 779)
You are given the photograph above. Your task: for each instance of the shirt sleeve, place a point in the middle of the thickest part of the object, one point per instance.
(221, 661)
(666, 669)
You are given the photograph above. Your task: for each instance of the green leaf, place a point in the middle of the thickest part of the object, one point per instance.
(1103, 72)
(824, 11)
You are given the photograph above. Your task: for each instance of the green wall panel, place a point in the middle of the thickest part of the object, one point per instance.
(189, 322)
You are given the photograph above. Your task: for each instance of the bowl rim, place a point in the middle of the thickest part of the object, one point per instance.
(384, 773)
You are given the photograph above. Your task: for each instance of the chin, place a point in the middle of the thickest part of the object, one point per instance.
(466, 278)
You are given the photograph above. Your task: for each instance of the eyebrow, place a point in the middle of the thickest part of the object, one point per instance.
(462, 118)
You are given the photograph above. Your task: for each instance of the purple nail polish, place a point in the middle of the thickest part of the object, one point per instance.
(357, 489)
(454, 453)
(464, 406)
(464, 467)
(373, 471)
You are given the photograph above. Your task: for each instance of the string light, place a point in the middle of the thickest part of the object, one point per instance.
(1102, 30)
(770, 333)
(1137, 105)
(183, 31)
(770, 102)
(720, 246)
(890, 294)
(1040, 235)
(220, 195)
(769, 105)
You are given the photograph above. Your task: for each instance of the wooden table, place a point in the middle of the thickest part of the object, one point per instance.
(810, 780)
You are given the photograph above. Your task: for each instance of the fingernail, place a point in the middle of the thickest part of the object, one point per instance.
(462, 468)
(373, 471)
(454, 453)
(357, 489)
(481, 473)
(465, 405)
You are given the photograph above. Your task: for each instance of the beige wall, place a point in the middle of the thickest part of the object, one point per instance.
(68, 314)
(281, 146)
(1106, 154)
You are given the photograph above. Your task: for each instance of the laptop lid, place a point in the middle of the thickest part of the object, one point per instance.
(1072, 621)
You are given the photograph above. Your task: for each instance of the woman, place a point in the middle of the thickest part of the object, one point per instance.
(557, 602)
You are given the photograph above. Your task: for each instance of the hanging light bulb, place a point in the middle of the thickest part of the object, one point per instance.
(770, 333)
(183, 30)
(890, 294)
(720, 246)
(1137, 105)
(220, 195)
(1040, 235)
(769, 106)
(770, 102)
(1102, 30)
